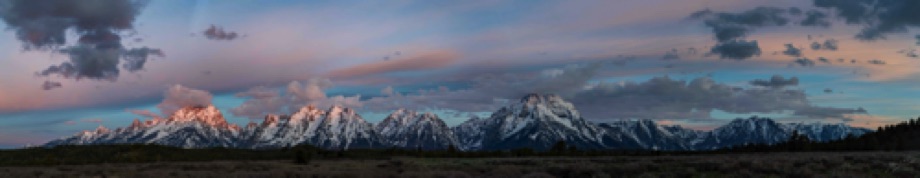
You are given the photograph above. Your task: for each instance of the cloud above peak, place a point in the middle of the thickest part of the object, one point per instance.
(178, 97)
(261, 100)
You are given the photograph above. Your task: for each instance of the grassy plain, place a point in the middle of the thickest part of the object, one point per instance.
(799, 164)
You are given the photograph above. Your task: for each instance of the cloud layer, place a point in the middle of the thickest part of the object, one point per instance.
(879, 17)
(730, 29)
(218, 33)
(657, 98)
(424, 61)
(44, 24)
(263, 100)
(178, 97)
(777, 81)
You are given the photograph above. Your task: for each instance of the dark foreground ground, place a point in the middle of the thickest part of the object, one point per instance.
(863, 164)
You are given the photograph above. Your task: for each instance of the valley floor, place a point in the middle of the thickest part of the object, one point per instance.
(851, 164)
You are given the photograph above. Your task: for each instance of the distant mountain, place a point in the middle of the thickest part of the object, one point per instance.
(757, 130)
(336, 128)
(409, 129)
(646, 134)
(536, 121)
(190, 127)
(470, 133)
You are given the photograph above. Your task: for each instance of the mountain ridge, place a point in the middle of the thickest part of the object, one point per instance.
(537, 122)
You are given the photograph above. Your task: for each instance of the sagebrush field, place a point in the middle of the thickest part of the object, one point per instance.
(802, 164)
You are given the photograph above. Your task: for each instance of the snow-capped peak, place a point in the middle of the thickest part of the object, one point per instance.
(409, 129)
(101, 130)
(539, 121)
(208, 115)
(135, 124)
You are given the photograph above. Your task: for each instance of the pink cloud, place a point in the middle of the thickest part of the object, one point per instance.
(145, 113)
(179, 96)
(425, 61)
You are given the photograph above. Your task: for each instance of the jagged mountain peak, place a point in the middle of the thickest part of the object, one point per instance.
(427, 116)
(537, 122)
(409, 129)
(101, 130)
(208, 115)
(136, 124)
(402, 117)
(309, 109)
(251, 125)
(271, 119)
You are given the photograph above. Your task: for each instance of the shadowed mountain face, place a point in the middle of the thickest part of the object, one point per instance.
(409, 129)
(537, 121)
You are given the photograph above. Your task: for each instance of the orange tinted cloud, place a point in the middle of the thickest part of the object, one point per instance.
(423, 61)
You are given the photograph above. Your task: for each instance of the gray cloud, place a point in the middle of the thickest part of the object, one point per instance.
(738, 49)
(48, 85)
(792, 51)
(731, 26)
(824, 60)
(43, 25)
(795, 11)
(666, 98)
(804, 62)
(730, 29)
(879, 17)
(828, 112)
(828, 90)
(815, 18)
(877, 62)
(912, 54)
(657, 98)
(144, 113)
(218, 33)
(489, 92)
(829, 44)
(137, 57)
(918, 39)
(262, 100)
(87, 61)
(671, 55)
(178, 97)
(777, 81)
(815, 46)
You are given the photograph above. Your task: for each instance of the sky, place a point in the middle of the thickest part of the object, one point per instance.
(67, 66)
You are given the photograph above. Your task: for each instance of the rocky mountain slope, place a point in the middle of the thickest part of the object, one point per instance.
(536, 121)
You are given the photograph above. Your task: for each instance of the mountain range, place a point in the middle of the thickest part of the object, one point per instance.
(536, 121)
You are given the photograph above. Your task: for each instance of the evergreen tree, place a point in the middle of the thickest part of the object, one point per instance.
(301, 157)
(559, 147)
